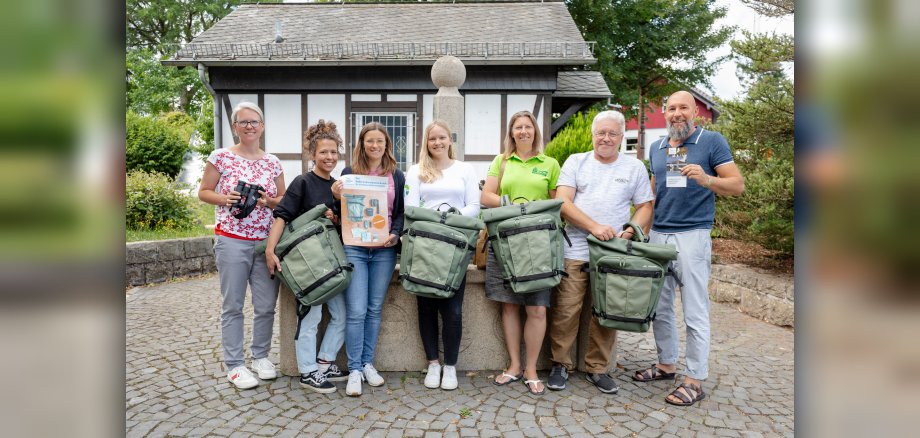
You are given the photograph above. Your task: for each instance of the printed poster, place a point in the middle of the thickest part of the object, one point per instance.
(364, 210)
(677, 159)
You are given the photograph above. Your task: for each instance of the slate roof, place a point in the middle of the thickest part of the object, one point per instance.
(391, 33)
(581, 84)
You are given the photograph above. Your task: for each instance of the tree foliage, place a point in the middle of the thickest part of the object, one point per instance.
(573, 138)
(153, 88)
(651, 47)
(772, 8)
(156, 24)
(154, 145)
(760, 128)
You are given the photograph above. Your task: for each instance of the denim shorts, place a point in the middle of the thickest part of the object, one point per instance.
(497, 290)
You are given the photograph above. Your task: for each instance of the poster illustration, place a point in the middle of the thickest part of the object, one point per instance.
(677, 159)
(364, 210)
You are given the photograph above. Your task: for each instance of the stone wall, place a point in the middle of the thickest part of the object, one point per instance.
(158, 261)
(763, 296)
(399, 347)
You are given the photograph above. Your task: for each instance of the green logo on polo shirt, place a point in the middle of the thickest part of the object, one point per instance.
(539, 172)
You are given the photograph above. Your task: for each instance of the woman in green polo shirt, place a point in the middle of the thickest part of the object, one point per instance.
(523, 173)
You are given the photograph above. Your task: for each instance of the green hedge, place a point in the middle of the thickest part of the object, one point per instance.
(155, 144)
(155, 201)
(764, 213)
(573, 138)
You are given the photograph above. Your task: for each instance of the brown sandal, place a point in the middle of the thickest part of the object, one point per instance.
(653, 373)
(691, 394)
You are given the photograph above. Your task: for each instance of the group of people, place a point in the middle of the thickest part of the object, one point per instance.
(597, 188)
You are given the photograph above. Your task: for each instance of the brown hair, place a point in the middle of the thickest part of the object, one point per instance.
(427, 172)
(511, 146)
(359, 164)
(321, 130)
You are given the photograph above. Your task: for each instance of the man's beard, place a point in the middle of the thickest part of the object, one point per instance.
(679, 133)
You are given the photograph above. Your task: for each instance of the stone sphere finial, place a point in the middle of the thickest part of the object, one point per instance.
(448, 71)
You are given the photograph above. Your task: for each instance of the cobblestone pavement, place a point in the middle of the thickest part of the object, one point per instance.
(175, 386)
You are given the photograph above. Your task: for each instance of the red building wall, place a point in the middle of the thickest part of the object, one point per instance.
(654, 118)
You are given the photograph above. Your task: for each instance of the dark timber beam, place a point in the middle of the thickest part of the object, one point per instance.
(560, 122)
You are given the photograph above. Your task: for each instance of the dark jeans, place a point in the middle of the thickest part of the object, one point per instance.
(451, 311)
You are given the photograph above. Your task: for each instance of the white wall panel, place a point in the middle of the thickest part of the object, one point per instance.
(327, 107)
(282, 123)
(292, 168)
(225, 123)
(482, 124)
(365, 98)
(401, 98)
(427, 109)
(481, 168)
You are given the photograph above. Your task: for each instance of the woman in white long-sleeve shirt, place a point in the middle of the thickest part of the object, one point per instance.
(436, 182)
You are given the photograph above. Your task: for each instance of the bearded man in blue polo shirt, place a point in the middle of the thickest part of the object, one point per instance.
(689, 167)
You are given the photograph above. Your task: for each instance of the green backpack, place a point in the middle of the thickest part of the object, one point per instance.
(626, 279)
(527, 242)
(313, 263)
(436, 250)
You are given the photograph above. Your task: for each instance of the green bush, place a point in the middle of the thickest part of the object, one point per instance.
(154, 145)
(573, 138)
(155, 201)
(204, 126)
(764, 213)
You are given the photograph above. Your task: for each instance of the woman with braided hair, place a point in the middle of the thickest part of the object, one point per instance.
(321, 143)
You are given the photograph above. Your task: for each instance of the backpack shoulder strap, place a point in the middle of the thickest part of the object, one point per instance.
(501, 172)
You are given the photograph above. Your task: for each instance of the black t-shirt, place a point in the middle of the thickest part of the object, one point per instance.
(304, 193)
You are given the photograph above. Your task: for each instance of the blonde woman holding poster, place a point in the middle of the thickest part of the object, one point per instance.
(374, 261)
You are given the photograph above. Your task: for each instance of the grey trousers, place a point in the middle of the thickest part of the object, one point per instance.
(694, 257)
(237, 265)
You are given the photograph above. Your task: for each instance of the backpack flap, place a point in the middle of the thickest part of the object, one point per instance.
(451, 219)
(493, 216)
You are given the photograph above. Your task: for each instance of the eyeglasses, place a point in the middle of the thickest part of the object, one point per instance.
(604, 134)
(248, 123)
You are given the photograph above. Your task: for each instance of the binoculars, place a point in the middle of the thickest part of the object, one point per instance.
(249, 197)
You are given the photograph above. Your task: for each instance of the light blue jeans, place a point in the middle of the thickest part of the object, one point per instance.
(238, 264)
(693, 265)
(364, 301)
(333, 338)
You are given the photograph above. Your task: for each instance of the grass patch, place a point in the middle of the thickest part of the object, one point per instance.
(465, 412)
(203, 215)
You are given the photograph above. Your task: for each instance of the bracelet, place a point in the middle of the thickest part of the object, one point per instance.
(708, 181)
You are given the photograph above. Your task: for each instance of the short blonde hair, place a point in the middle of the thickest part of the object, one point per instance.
(246, 105)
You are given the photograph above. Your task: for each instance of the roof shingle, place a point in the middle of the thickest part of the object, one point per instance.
(388, 26)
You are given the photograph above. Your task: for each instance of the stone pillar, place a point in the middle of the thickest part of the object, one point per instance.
(448, 74)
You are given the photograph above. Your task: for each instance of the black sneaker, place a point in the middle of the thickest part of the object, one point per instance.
(604, 382)
(317, 382)
(335, 374)
(557, 378)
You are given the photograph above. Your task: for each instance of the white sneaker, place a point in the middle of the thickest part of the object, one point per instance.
(264, 368)
(371, 375)
(433, 378)
(242, 378)
(353, 388)
(449, 381)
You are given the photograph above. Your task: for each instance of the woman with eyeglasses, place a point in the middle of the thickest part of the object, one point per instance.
(374, 265)
(523, 173)
(234, 250)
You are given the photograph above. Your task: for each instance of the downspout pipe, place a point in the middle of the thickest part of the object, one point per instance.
(218, 110)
